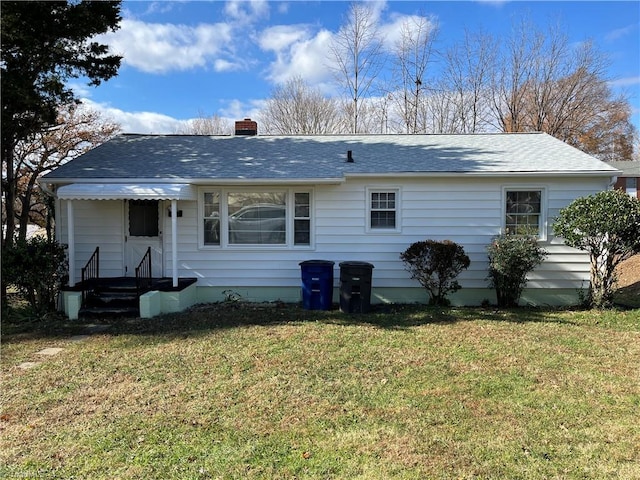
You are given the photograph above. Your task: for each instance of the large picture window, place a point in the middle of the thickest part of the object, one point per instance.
(523, 212)
(256, 218)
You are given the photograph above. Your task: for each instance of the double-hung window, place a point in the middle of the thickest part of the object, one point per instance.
(382, 209)
(524, 211)
(248, 217)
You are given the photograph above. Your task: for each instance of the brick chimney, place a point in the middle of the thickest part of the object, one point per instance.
(246, 127)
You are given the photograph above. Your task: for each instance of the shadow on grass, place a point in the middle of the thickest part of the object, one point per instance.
(200, 319)
(629, 296)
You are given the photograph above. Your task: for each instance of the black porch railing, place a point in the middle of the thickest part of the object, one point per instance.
(143, 274)
(90, 273)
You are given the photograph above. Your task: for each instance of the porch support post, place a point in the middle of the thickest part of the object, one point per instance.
(71, 241)
(174, 241)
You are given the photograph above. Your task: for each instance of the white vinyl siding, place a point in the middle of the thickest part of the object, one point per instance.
(467, 210)
(98, 223)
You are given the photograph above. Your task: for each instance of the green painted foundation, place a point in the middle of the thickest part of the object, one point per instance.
(156, 303)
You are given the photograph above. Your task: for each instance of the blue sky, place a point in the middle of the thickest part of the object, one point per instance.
(182, 59)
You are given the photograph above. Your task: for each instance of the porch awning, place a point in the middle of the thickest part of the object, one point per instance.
(127, 191)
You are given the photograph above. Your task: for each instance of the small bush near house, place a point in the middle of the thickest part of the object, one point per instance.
(436, 265)
(37, 268)
(511, 258)
(607, 226)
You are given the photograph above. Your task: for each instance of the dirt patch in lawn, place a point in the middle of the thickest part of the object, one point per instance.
(629, 281)
(629, 272)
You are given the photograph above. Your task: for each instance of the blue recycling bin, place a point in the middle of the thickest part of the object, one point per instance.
(317, 284)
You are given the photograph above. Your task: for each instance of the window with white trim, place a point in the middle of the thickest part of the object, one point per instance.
(302, 218)
(383, 209)
(524, 211)
(237, 217)
(211, 223)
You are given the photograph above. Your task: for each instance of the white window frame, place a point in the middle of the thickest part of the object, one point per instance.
(224, 215)
(542, 221)
(392, 189)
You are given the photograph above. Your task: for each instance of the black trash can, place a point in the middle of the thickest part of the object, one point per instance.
(355, 287)
(317, 284)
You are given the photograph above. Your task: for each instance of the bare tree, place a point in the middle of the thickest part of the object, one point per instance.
(357, 52)
(465, 83)
(412, 56)
(206, 125)
(546, 84)
(513, 73)
(609, 135)
(76, 131)
(373, 116)
(440, 112)
(296, 108)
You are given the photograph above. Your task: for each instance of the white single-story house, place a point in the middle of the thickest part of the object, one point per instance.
(239, 213)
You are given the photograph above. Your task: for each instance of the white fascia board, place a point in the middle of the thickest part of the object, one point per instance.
(197, 181)
(588, 173)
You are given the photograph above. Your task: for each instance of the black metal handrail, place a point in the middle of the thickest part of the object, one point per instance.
(90, 273)
(143, 274)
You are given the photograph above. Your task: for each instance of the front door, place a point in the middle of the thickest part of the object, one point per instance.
(142, 218)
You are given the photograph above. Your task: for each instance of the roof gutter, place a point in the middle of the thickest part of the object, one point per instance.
(197, 181)
(586, 173)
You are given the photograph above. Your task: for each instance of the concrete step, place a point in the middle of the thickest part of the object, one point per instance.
(109, 311)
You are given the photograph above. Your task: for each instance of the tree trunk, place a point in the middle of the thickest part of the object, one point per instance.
(602, 280)
(9, 196)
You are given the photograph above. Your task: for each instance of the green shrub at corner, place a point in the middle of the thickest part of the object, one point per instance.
(37, 268)
(607, 226)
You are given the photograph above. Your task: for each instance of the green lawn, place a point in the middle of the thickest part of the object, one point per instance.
(270, 392)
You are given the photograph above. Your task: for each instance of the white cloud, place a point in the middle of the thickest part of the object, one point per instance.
(298, 53)
(281, 37)
(160, 48)
(159, 7)
(244, 11)
(158, 123)
(136, 122)
(392, 31)
(614, 35)
(221, 65)
(237, 110)
(625, 82)
(80, 90)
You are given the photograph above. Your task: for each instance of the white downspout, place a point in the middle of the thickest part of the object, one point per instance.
(174, 241)
(71, 241)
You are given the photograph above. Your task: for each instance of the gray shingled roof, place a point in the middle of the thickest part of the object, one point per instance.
(192, 158)
(628, 169)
